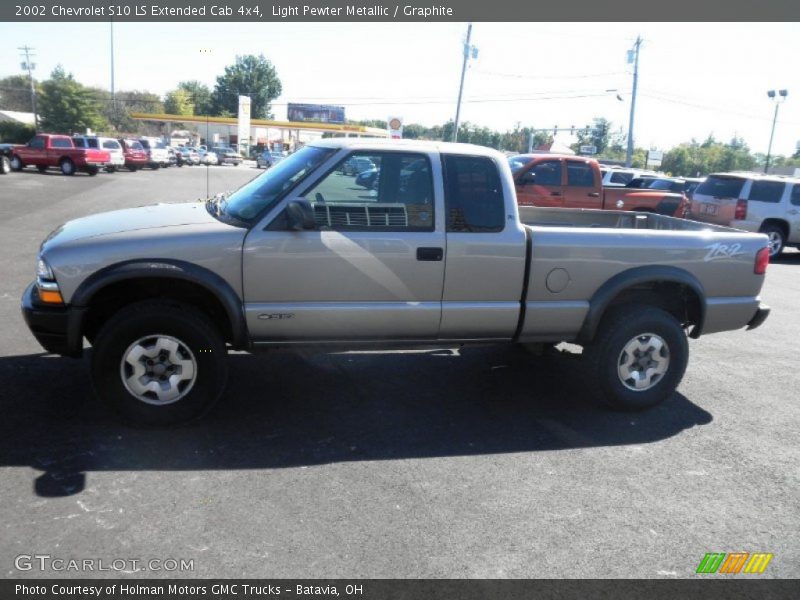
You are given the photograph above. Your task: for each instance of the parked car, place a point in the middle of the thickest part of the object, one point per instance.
(5, 157)
(110, 145)
(187, 156)
(48, 150)
(157, 153)
(620, 176)
(768, 204)
(134, 153)
(207, 157)
(299, 259)
(665, 184)
(227, 156)
(551, 180)
(268, 158)
(357, 165)
(368, 178)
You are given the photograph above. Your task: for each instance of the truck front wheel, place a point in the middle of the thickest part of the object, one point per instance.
(159, 363)
(638, 357)
(16, 163)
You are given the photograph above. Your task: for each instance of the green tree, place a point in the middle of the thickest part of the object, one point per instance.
(15, 93)
(252, 76)
(66, 106)
(598, 136)
(179, 102)
(200, 96)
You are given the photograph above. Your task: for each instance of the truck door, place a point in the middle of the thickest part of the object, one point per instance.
(486, 246)
(541, 184)
(33, 151)
(582, 189)
(372, 269)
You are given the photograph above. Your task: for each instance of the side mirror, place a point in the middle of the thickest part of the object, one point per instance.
(300, 215)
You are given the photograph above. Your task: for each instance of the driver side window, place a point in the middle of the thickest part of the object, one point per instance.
(385, 191)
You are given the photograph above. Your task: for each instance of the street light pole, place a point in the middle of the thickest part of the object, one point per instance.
(777, 98)
(467, 51)
(629, 153)
(29, 66)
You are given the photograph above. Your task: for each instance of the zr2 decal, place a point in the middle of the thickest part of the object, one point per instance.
(720, 251)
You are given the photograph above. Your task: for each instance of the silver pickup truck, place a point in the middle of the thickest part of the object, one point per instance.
(433, 250)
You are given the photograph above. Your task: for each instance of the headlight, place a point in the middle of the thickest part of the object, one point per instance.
(43, 271)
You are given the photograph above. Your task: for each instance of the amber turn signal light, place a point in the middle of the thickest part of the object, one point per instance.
(50, 297)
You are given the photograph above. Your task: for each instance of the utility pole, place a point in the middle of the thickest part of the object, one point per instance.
(633, 56)
(113, 90)
(29, 66)
(777, 98)
(468, 50)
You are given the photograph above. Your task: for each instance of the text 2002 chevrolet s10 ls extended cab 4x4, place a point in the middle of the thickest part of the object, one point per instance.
(436, 251)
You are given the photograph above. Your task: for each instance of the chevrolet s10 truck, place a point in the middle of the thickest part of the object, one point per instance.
(436, 252)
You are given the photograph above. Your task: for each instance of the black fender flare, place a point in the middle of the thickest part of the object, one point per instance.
(604, 295)
(168, 268)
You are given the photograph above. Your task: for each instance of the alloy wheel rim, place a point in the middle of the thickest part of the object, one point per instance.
(643, 362)
(158, 369)
(775, 242)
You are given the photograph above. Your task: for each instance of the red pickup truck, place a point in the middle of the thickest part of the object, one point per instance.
(575, 182)
(47, 150)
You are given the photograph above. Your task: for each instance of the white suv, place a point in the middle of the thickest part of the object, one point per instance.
(110, 145)
(763, 203)
(621, 176)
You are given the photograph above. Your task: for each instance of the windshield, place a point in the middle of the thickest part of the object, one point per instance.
(249, 200)
(517, 162)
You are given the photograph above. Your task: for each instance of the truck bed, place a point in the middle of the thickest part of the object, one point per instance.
(576, 251)
(611, 219)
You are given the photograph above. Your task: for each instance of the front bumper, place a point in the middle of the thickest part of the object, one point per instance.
(761, 315)
(56, 328)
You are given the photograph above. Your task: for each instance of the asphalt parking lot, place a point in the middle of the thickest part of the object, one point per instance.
(479, 462)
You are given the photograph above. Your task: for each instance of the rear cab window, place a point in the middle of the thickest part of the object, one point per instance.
(721, 187)
(61, 143)
(579, 174)
(473, 194)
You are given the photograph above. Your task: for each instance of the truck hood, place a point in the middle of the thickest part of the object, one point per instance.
(131, 219)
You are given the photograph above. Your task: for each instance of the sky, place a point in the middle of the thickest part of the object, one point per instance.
(695, 79)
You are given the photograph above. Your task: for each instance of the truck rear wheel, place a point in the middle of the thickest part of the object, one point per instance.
(638, 357)
(67, 166)
(159, 363)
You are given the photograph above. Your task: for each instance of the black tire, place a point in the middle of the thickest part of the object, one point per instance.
(192, 329)
(92, 171)
(777, 239)
(132, 168)
(16, 163)
(67, 166)
(155, 167)
(5, 165)
(111, 169)
(605, 357)
(41, 168)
